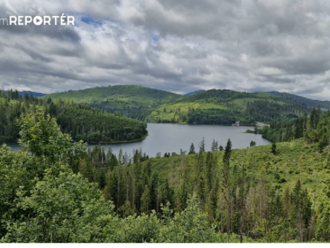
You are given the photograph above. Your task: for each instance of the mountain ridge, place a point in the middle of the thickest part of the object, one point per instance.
(215, 106)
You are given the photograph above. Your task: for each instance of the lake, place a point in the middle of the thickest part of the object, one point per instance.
(173, 137)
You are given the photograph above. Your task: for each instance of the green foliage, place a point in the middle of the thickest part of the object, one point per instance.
(209, 107)
(189, 226)
(202, 146)
(60, 209)
(226, 107)
(252, 143)
(129, 100)
(81, 121)
(273, 150)
(42, 137)
(249, 192)
(192, 149)
(305, 101)
(312, 129)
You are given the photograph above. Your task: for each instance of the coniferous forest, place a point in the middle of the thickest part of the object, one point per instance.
(56, 191)
(209, 107)
(79, 120)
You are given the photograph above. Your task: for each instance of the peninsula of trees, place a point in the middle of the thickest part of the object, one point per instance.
(81, 121)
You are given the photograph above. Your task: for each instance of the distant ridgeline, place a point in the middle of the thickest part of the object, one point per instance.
(80, 120)
(30, 93)
(129, 100)
(204, 107)
(303, 100)
(227, 107)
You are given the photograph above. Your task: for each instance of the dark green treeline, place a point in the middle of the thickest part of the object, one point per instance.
(81, 121)
(313, 128)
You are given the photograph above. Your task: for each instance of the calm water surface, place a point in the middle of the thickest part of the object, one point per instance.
(173, 137)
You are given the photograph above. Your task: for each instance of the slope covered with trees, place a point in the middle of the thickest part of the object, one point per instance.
(226, 107)
(129, 100)
(203, 107)
(303, 100)
(42, 200)
(274, 193)
(263, 193)
(81, 121)
(314, 128)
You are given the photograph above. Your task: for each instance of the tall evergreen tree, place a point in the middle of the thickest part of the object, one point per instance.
(192, 149)
(273, 149)
(226, 187)
(202, 146)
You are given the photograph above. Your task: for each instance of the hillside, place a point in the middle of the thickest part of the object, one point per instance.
(201, 107)
(129, 100)
(81, 121)
(268, 194)
(303, 100)
(274, 193)
(226, 107)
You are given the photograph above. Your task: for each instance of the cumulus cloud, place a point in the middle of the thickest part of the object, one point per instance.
(179, 46)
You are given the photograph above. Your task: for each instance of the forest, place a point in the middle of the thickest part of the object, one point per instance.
(313, 128)
(215, 106)
(132, 101)
(226, 107)
(81, 121)
(56, 191)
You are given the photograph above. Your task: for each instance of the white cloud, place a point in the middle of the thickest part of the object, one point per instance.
(174, 45)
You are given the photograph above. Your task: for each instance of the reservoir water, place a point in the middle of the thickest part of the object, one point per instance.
(173, 137)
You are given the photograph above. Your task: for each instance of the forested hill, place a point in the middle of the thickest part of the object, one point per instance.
(81, 121)
(314, 128)
(128, 100)
(273, 193)
(56, 191)
(204, 107)
(226, 107)
(303, 100)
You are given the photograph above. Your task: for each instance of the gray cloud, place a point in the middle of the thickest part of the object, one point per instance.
(180, 46)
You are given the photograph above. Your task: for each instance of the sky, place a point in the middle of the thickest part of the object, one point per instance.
(178, 46)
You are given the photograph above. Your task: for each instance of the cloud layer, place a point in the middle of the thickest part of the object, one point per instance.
(179, 46)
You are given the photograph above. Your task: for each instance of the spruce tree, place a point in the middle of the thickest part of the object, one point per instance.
(192, 149)
(226, 181)
(274, 148)
(202, 146)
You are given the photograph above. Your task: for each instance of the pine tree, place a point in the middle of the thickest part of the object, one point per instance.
(226, 187)
(226, 156)
(273, 149)
(202, 146)
(145, 200)
(192, 149)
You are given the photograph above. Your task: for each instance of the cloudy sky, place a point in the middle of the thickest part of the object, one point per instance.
(179, 46)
